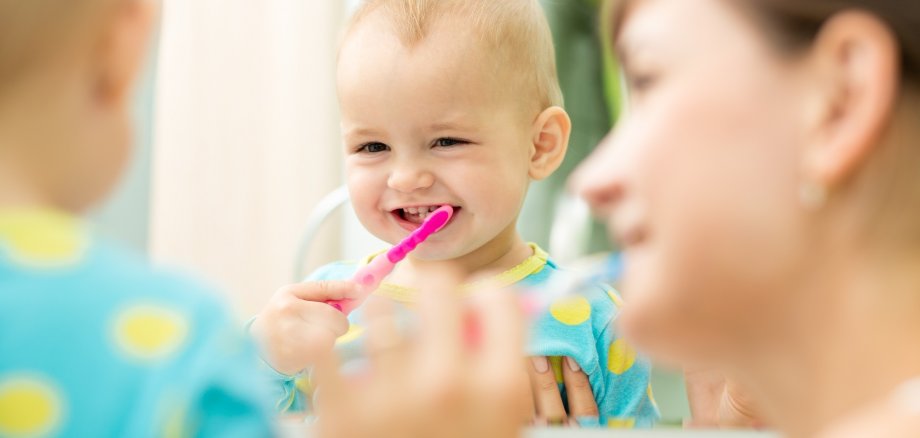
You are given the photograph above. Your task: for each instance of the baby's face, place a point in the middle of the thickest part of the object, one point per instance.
(427, 126)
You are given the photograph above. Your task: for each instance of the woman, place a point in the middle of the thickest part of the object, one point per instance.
(764, 185)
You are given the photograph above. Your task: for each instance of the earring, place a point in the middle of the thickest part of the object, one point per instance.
(813, 195)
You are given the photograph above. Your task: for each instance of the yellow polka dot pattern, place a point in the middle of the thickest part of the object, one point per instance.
(42, 239)
(621, 357)
(621, 423)
(176, 424)
(571, 311)
(304, 385)
(354, 332)
(28, 407)
(556, 363)
(150, 332)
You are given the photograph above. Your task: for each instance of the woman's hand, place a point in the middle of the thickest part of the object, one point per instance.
(547, 407)
(436, 385)
(297, 326)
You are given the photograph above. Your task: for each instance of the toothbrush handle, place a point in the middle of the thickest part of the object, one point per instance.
(368, 279)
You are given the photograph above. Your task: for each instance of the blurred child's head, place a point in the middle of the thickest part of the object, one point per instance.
(66, 72)
(449, 102)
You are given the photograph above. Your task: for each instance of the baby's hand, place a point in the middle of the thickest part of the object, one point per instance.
(296, 326)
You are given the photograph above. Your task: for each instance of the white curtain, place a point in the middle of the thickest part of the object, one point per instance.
(246, 138)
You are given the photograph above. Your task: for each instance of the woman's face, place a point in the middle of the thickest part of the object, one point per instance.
(700, 179)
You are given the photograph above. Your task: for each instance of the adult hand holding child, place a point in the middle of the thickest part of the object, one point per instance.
(547, 404)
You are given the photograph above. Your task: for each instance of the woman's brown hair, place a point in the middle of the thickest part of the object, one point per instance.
(794, 24)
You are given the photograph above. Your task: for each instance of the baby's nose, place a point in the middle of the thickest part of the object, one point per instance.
(410, 178)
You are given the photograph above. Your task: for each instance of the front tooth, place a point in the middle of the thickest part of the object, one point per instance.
(412, 210)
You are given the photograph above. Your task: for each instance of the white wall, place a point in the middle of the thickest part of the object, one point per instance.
(246, 138)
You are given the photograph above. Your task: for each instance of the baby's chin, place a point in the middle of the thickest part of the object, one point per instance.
(436, 252)
(434, 249)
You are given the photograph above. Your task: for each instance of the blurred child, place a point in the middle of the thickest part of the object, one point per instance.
(93, 341)
(449, 102)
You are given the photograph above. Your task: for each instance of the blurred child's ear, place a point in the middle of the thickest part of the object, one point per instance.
(551, 133)
(122, 50)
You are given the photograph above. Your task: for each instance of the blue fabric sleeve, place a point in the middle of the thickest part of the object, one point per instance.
(582, 327)
(627, 400)
(224, 400)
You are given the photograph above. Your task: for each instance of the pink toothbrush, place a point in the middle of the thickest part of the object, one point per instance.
(370, 276)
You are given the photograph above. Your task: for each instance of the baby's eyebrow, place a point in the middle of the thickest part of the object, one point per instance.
(363, 132)
(448, 126)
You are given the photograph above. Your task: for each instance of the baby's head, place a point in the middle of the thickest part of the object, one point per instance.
(449, 102)
(66, 71)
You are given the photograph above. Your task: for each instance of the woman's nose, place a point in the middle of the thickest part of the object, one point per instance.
(409, 177)
(599, 179)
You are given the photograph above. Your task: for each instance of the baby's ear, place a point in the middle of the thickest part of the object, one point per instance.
(551, 133)
(122, 49)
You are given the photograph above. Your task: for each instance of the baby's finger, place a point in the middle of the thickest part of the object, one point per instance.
(322, 291)
(321, 315)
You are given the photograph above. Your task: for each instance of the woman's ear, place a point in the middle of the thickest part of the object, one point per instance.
(122, 49)
(856, 66)
(551, 133)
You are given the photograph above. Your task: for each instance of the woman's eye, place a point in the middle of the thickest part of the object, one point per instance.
(373, 148)
(448, 142)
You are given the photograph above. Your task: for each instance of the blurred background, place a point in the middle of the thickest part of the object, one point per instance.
(238, 143)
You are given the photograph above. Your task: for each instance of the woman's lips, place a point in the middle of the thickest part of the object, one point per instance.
(629, 231)
(633, 237)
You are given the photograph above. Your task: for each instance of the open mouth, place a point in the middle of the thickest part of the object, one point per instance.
(412, 217)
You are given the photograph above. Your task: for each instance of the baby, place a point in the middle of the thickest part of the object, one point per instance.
(456, 102)
(93, 341)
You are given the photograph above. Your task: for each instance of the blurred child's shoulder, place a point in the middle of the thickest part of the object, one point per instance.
(60, 268)
(73, 262)
(118, 266)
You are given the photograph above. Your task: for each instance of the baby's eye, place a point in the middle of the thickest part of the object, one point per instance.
(373, 148)
(448, 142)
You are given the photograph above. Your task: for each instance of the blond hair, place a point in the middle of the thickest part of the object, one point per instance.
(515, 31)
(33, 31)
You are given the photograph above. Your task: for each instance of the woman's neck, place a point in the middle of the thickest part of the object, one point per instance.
(853, 343)
(504, 252)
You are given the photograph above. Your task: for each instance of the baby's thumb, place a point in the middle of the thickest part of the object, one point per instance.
(325, 290)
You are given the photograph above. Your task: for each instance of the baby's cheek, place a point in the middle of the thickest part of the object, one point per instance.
(365, 202)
